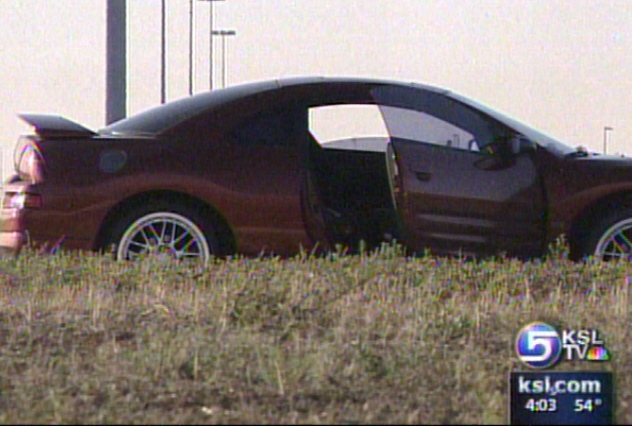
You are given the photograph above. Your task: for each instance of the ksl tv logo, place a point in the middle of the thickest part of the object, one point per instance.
(540, 345)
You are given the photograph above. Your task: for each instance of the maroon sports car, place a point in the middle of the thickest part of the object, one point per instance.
(313, 162)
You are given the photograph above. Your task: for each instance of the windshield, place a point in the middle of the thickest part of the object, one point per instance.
(531, 133)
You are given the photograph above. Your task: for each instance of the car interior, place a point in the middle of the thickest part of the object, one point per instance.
(354, 195)
(346, 192)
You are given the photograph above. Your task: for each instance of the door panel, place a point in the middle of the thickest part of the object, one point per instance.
(264, 162)
(452, 201)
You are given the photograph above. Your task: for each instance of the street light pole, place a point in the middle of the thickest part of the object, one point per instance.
(224, 34)
(191, 47)
(210, 43)
(163, 54)
(606, 129)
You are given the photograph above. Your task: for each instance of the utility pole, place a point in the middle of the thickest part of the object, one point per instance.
(191, 21)
(116, 61)
(163, 53)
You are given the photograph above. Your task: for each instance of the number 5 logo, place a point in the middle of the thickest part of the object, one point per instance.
(538, 345)
(539, 338)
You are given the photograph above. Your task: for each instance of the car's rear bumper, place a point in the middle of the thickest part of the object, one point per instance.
(12, 242)
(25, 221)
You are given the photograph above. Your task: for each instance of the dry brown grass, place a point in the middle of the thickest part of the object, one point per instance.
(345, 339)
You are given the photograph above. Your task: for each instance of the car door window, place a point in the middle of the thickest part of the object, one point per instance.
(422, 127)
(428, 117)
(357, 127)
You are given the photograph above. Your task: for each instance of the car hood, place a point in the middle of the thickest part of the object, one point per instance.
(601, 160)
(597, 169)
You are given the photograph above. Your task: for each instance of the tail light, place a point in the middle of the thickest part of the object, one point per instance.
(29, 162)
(21, 200)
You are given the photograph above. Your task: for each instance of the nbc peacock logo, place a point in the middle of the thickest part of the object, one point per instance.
(598, 353)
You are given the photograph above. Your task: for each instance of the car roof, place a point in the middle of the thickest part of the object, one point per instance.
(158, 119)
(299, 81)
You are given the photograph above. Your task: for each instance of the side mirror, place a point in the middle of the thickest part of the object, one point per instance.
(499, 156)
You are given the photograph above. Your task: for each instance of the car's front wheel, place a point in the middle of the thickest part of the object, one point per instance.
(611, 237)
(165, 230)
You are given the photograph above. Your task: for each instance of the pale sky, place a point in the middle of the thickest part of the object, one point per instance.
(562, 66)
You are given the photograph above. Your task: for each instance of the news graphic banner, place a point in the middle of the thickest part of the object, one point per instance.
(560, 397)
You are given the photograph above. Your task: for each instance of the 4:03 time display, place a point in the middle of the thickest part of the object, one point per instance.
(541, 405)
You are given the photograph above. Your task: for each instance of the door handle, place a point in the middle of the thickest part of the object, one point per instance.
(423, 176)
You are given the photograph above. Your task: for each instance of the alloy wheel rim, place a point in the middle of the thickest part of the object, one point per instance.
(616, 242)
(164, 235)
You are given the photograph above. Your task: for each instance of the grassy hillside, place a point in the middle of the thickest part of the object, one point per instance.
(345, 339)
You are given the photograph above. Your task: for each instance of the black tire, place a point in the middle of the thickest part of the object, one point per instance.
(609, 237)
(163, 227)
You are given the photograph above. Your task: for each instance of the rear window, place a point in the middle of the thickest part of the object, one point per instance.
(158, 119)
(163, 117)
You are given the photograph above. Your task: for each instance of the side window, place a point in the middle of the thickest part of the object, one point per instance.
(276, 128)
(349, 126)
(423, 127)
(425, 116)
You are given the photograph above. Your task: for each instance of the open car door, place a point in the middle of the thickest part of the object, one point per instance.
(457, 202)
(456, 181)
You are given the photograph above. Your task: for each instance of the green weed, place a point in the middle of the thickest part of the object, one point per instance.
(369, 338)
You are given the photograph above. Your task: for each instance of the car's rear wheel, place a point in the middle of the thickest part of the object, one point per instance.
(164, 230)
(611, 238)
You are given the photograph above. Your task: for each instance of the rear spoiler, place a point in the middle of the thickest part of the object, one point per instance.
(54, 126)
